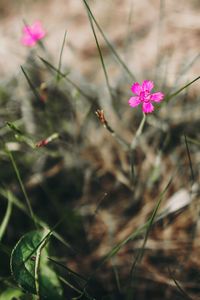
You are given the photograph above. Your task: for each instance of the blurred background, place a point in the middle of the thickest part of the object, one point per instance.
(85, 173)
(139, 30)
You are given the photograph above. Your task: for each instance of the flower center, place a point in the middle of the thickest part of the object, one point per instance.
(145, 96)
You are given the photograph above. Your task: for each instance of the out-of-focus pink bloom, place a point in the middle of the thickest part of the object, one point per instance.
(32, 34)
(144, 96)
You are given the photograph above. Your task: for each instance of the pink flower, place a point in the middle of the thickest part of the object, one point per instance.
(144, 96)
(32, 34)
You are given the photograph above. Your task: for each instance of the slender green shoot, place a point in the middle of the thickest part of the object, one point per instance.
(22, 208)
(20, 136)
(67, 269)
(181, 290)
(190, 160)
(136, 233)
(151, 221)
(34, 90)
(111, 47)
(134, 145)
(187, 67)
(129, 35)
(70, 285)
(65, 76)
(60, 57)
(138, 133)
(37, 267)
(17, 173)
(5, 249)
(159, 38)
(169, 97)
(6, 218)
(100, 55)
(193, 141)
(44, 240)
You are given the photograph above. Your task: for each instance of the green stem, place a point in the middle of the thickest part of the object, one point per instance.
(100, 55)
(133, 146)
(6, 217)
(109, 44)
(22, 186)
(181, 89)
(138, 133)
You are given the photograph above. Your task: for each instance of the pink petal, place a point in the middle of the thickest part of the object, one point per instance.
(32, 34)
(134, 101)
(147, 107)
(136, 88)
(27, 40)
(157, 97)
(147, 85)
(37, 30)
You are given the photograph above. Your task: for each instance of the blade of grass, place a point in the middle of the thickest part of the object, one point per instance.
(129, 30)
(48, 64)
(60, 57)
(77, 277)
(181, 290)
(119, 59)
(22, 207)
(136, 233)
(116, 274)
(67, 269)
(186, 68)
(34, 90)
(70, 285)
(159, 55)
(117, 248)
(45, 240)
(190, 161)
(6, 218)
(140, 254)
(17, 173)
(100, 55)
(81, 293)
(5, 249)
(193, 141)
(20, 136)
(169, 97)
(37, 267)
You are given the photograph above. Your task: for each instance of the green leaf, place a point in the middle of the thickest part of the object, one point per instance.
(30, 266)
(11, 293)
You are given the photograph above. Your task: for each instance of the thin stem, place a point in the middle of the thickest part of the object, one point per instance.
(100, 55)
(34, 90)
(6, 218)
(133, 146)
(65, 76)
(159, 38)
(138, 133)
(22, 187)
(190, 160)
(104, 122)
(109, 44)
(181, 89)
(60, 57)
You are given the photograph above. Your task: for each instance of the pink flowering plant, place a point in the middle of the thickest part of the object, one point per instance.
(97, 197)
(144, 96)
(32, 34)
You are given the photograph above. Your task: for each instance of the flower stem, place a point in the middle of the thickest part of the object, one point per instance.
(133, 146)
(138, 133)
